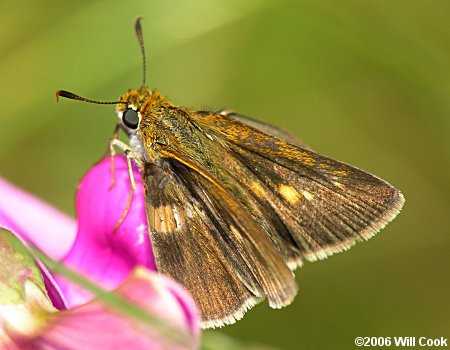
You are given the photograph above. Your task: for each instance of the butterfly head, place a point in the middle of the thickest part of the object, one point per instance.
(129, 111)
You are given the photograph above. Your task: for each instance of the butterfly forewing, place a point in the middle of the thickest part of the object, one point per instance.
(261, 126)
(324, 205)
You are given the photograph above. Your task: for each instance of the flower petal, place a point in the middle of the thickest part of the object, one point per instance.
(35, 221)
(103, 255)
(93, 324)
(29, 321)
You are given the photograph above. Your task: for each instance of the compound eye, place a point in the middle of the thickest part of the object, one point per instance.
(130, 118)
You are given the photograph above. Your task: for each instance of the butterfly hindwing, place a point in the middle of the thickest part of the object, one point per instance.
(199, 240)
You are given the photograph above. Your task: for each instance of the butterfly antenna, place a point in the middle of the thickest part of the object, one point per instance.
(140, 37)
(72, 96)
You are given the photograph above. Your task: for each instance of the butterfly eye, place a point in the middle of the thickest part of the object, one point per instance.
(130, 118)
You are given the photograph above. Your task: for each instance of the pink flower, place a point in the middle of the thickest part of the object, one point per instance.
(119, 260)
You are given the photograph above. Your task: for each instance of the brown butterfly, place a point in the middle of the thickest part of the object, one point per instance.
(234, 205)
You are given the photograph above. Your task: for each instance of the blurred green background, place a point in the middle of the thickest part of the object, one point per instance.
(365, 82)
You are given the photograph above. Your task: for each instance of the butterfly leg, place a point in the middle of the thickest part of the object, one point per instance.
(112, 154)
(115, 142)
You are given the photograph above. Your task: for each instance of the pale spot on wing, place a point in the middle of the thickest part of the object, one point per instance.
(340, 172)
(166, 219)
(176, 217)
(235, 232)
(289, 193)
(257, 188)
(309, 196)
(338, 184)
